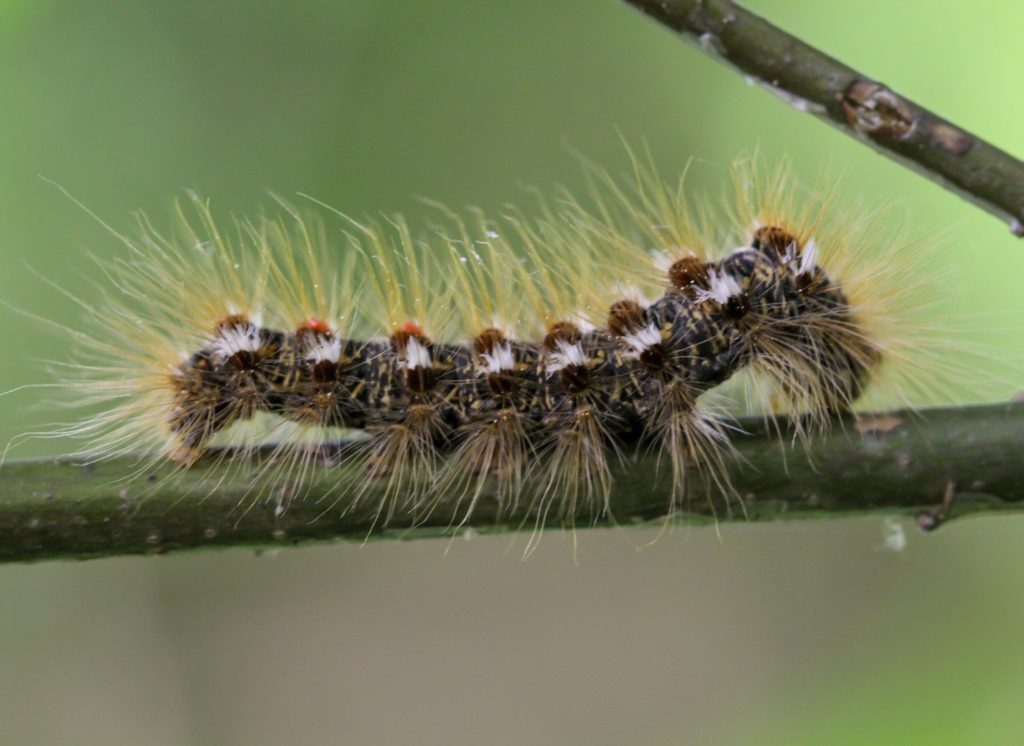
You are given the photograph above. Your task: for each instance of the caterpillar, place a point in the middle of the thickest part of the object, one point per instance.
(517, 351)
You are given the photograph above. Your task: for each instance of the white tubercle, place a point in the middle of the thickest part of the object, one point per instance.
(804, 261)
(416, 354)
(721, 287)
(643, 339)
(809, 257)
(500, 358)
(566, 355)
(231, 340)
(324, 350)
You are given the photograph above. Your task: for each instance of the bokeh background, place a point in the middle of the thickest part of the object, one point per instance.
(788, 634)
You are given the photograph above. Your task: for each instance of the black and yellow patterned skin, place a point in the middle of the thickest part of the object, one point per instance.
(702, 342)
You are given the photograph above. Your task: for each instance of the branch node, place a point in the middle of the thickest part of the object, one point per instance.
(812, 82)
(876, 111)
(931, 519)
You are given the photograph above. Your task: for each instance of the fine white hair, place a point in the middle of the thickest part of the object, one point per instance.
(799, 261)
(500, 358)
(416, 354)
(233, 339)
(324, 350)
(566, 355)
(642, 339)
(721, 287)
(808, 258)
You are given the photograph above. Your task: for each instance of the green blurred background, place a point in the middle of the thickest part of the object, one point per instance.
(788, 634)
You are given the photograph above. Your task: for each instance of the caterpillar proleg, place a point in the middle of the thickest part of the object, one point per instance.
(509, 355)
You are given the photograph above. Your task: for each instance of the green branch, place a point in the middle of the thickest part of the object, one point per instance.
(872, 112)
(932, 465)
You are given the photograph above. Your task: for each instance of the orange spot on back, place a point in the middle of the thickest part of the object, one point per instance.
(411, 327)
(317, 325)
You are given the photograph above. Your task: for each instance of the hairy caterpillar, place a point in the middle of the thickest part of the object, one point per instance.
(517, 351)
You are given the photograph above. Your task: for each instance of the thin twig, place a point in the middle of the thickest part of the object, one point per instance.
(934, 465)
(870, 111)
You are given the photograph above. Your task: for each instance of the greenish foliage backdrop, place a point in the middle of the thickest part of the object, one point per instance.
(774, 635)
